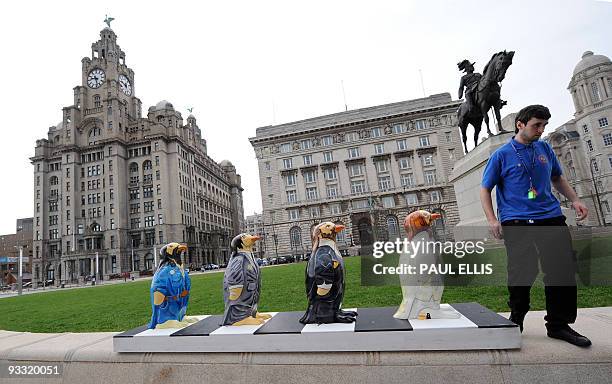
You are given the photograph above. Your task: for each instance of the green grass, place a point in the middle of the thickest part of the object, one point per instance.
(120, 307)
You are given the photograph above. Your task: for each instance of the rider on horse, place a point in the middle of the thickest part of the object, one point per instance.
(469, 81)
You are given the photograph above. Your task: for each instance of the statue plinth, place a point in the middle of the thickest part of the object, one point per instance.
(466, 178)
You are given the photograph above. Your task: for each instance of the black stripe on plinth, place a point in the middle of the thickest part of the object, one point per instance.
(202, 328)
(282, 323)
(483, 317)
(133, 332)
(379, 320)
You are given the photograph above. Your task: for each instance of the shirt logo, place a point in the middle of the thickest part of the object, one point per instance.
(543, 159)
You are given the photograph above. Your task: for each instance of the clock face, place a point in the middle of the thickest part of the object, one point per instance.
(125, 85)
(95, 78)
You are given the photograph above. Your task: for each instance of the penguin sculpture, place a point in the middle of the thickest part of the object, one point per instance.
(170, 290)
(325, 278)
(421, 293)
(242, 284)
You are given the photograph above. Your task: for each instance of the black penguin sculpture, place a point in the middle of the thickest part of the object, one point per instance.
(325, 279)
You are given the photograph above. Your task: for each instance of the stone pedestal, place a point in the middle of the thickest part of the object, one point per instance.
(466, 178)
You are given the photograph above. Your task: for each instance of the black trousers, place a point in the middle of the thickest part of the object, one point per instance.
(547, 242)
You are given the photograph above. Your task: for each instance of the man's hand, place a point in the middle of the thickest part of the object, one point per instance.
(581, 210)
(496, 229)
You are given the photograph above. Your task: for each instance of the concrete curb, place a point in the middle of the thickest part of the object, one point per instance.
(89, 357)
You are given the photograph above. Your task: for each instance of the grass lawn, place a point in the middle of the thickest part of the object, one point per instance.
(120, 307)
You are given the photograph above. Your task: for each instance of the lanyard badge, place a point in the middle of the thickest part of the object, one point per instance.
(531, 193)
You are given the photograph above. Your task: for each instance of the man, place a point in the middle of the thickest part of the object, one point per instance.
(469, 82)
(532, 225)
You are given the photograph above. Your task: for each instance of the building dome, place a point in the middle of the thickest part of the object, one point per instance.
(57, 127)
(164, 104)
(589, 59)
(226, 163)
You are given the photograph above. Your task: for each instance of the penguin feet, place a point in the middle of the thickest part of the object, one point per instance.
(172, 324)
(348, 313)
(341, 318)
(190, 319)
(250, 321)
(263, 316)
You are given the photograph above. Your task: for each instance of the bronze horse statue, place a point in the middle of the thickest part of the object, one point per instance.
(486, 95)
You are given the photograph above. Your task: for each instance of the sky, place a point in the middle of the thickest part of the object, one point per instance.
(246, 64)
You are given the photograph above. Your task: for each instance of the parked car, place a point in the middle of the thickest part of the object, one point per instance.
(223, 265)
(272, 261)
(290, 259)
(214, 266)
(27, 285)
(281, 260)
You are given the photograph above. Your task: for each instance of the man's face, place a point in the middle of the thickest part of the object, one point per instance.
(532, 131)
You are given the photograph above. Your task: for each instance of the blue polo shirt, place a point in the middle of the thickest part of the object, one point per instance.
(507, 172)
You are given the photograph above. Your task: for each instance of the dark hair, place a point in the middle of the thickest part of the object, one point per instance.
(529, 112)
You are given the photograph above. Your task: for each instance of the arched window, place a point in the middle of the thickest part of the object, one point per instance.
(341, 236)
(133, 167)
(295, 237)
(595, 92)
(149, 262)
(439, 225)
(147, 165)
(392, 227)
(95, 131)
(96, 99)
(53, 180)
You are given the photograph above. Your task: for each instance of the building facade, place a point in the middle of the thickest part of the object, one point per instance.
(112, 183)
(9, 251)
(255, 226)
(365, 168)
(584, 144)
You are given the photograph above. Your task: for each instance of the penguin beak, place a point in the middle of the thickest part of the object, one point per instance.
(182, 248)
(435, 216)
(339, 227)
(254, 238)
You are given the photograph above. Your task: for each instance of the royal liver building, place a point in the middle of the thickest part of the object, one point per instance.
(112, 185)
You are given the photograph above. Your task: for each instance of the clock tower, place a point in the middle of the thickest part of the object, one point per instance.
(105, 102)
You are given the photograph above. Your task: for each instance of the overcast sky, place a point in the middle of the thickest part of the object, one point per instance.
(242, 65)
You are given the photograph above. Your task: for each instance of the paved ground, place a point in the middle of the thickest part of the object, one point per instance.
(89, 357)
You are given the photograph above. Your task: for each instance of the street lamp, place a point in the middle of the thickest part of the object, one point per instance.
(603, 217)
(20, 271)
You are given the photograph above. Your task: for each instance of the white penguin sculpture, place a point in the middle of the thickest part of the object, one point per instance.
(421, 292)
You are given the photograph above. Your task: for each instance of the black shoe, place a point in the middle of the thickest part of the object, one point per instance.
(568, 334)
(517, 318)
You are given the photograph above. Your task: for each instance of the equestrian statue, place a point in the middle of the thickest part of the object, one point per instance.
(482, 92)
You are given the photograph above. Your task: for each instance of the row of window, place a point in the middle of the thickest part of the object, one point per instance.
(607, 141)
(359, 186)
(386, 202)
(357, 170)
(350, 137)
(353, 153)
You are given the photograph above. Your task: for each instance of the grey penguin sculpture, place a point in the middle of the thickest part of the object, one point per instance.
(242, 284)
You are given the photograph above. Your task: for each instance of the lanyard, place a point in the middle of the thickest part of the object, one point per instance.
(532, 192)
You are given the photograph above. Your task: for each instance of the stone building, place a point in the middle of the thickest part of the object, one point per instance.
(255, 226)
(365, 168)
(584, 143)
(111, 182)
(9, 250)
